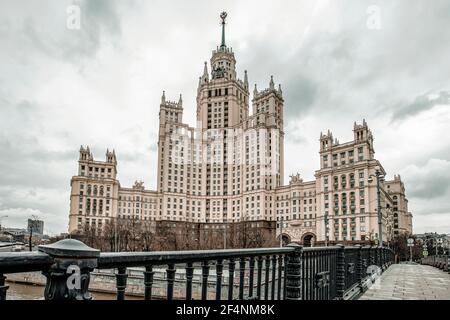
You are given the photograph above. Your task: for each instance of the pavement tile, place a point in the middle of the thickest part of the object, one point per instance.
(410, 282)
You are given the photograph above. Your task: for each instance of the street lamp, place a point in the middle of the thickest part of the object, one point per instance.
(225, 235)
(281, 231)
(1, 217)
(326, 219)
(380, 178)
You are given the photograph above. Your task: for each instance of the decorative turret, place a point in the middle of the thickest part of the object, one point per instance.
(172, 104)
(85, 154)
(326, 140)
(111, 156)
(361, 132)
(269, 90)
(205, 77)
(255, 91)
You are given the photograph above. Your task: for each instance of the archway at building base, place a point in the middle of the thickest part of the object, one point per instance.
(286, 239)
(308, 239)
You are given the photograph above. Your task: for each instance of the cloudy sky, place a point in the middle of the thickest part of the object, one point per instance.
(338, 62)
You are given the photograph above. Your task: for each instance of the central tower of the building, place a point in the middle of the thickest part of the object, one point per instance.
(228, 167)
(222, 99)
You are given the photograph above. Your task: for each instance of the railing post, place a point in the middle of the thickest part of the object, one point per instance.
(294, 273)
(359, 267)
(121, 282)
(377, 256)
(68, 277)
(340, 273)
(3, 287)
(448, 262)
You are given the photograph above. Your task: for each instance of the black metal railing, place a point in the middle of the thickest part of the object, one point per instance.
(291, 272)
(441, 261)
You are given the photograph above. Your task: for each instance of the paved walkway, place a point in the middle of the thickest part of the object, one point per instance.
(410, 282)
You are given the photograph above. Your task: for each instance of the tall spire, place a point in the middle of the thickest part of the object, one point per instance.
(163, 98)
(245, 79)
(205, 77)
(223, 16)
(271, 84)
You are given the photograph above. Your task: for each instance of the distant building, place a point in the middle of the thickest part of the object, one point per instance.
(35, 226)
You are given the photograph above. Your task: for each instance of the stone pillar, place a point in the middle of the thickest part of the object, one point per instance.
(340, 273)
(294, 273)
(68, 277)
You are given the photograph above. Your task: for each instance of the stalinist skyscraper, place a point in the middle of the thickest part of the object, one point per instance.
(221, 171)
(230, 167)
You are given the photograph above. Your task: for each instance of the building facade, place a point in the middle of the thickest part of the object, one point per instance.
(229, 168)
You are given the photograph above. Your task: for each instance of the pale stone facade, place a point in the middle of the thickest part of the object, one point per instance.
(230, 168)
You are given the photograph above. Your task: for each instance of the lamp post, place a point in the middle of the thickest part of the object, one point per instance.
(326, 229)
(281, 231)
(380, 178)
(1, 217)
(224, 235)
(115, 235)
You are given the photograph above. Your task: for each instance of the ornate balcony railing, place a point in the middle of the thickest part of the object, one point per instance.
(291, 272)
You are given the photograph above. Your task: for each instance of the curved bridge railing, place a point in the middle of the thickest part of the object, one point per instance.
(442, 262)
(291, 272)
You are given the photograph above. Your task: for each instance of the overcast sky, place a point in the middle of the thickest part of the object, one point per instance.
(338, 62)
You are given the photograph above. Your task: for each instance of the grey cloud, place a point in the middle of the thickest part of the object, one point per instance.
(333, 78)
(100, 22)
(430, 181)
(300, 94)
(45, 200)
(421, 103)
(100, 18)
